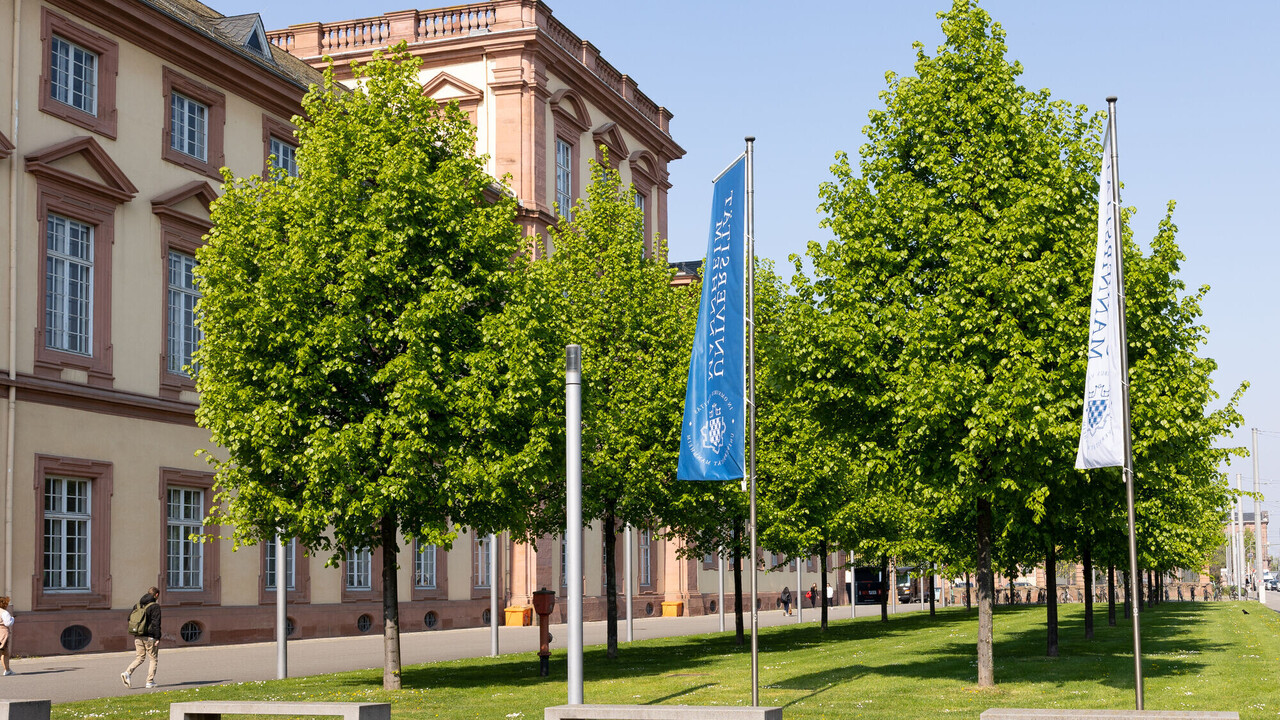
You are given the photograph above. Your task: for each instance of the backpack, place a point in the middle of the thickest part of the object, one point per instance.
(138, 620)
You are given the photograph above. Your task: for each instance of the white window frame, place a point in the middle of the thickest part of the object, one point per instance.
(424, 567)
(73, 75)
(564, 178)
(564, 563)
(360, 569)
(646, 558)
(481, 550)
(290, 565)
(285, 156)
(189, 138)
(185, 557)
(68, 317)
(68, 518)
(183, 334)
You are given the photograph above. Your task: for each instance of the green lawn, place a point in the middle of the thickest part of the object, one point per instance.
(1202, 656)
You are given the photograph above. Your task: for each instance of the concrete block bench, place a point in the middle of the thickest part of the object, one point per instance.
(661, 712)
(24, 709)
(1068, 714)
(215, 709)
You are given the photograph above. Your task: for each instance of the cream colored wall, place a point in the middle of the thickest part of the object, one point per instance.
(137, 265)
(6, 167)
(136, 449)
(459, 558)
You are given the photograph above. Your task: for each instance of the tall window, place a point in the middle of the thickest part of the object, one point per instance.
(483, 549)
(73, 75)
(186, 556)
(68, 300)
(269, 569)
(564, 177)
(284, 157)
(189, 123)
(424, 567)
(66, 533)
(184, 336)
(359, 569)
(564, 564)
(646, 574)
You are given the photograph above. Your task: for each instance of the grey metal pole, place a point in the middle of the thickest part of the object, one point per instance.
(629, 545)
(573, 512)
(851, 572)
(1135, 579)
(282, 619)
(1260, 557)
(720, 601)
(1242, 570)
(799, 594)
(751, 401)
(493, 595)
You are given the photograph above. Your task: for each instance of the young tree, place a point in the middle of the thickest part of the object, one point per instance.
(340, 312)
(958, 257)
(600, 289)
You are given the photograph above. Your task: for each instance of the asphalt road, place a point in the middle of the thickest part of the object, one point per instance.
(64, 678)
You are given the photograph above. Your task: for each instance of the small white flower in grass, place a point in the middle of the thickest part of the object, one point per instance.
(515, 714)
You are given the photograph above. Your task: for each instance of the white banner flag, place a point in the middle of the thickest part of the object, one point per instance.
(1102, 432)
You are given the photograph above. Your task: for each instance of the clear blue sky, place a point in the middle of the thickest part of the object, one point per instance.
(1199, 102)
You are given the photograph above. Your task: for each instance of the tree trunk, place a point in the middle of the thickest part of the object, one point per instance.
(390, 605)
(986, 589)
(740, 637)
(1088, 591)
(1151, 588)
(1111, 596)
(968, 592)
(610, 581)
(1051, 582)
(931, 608)
(822, 584)
(884, 588)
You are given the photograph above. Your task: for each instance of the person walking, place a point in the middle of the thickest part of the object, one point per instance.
(813, 595)
(831, 596)
(785, 597)
(6, 634)
(144, 625)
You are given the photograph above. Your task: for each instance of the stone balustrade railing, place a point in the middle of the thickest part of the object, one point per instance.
(313, 40)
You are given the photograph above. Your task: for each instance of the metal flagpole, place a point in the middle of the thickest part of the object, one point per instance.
(1242, 571)
(573, 513)
(1134, 578)
(282, 619)
(626, 568)
(720, 602)
(493, 595)
(751, 402)
(798, 596)
(1258, 554)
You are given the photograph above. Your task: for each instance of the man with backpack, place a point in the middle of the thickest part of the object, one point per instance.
(144, 626)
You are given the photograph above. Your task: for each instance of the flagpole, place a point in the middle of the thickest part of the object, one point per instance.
(751, 403)
(1134, 579)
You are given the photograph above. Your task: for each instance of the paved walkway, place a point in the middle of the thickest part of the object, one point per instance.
(64, 678)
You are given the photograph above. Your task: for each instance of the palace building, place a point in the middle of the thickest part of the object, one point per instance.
(126, 110)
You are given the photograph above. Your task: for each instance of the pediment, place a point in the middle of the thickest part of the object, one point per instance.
(643, 163)
(6, 147)
(610, 136)
(82, 163)
(189, 203)
(445, 87)
(569, 107)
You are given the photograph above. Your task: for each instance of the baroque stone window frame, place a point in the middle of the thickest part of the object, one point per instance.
(210, 593)
(374, 591)
(103, 121)
(570, 121)
(216, 102)
(180, 232)
(281, 131)
(441, 590)
(99, 475)
(94, 203)
(301, 594)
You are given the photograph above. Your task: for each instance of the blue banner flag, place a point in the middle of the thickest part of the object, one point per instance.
(713, 435)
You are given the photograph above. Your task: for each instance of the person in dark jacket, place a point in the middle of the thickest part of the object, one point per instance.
(146, 644)
(786, 600)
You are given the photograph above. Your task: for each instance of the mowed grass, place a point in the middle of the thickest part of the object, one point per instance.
(1197, 656)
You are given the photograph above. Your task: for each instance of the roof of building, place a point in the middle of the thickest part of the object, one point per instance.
(237, 33)
(690, 268)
